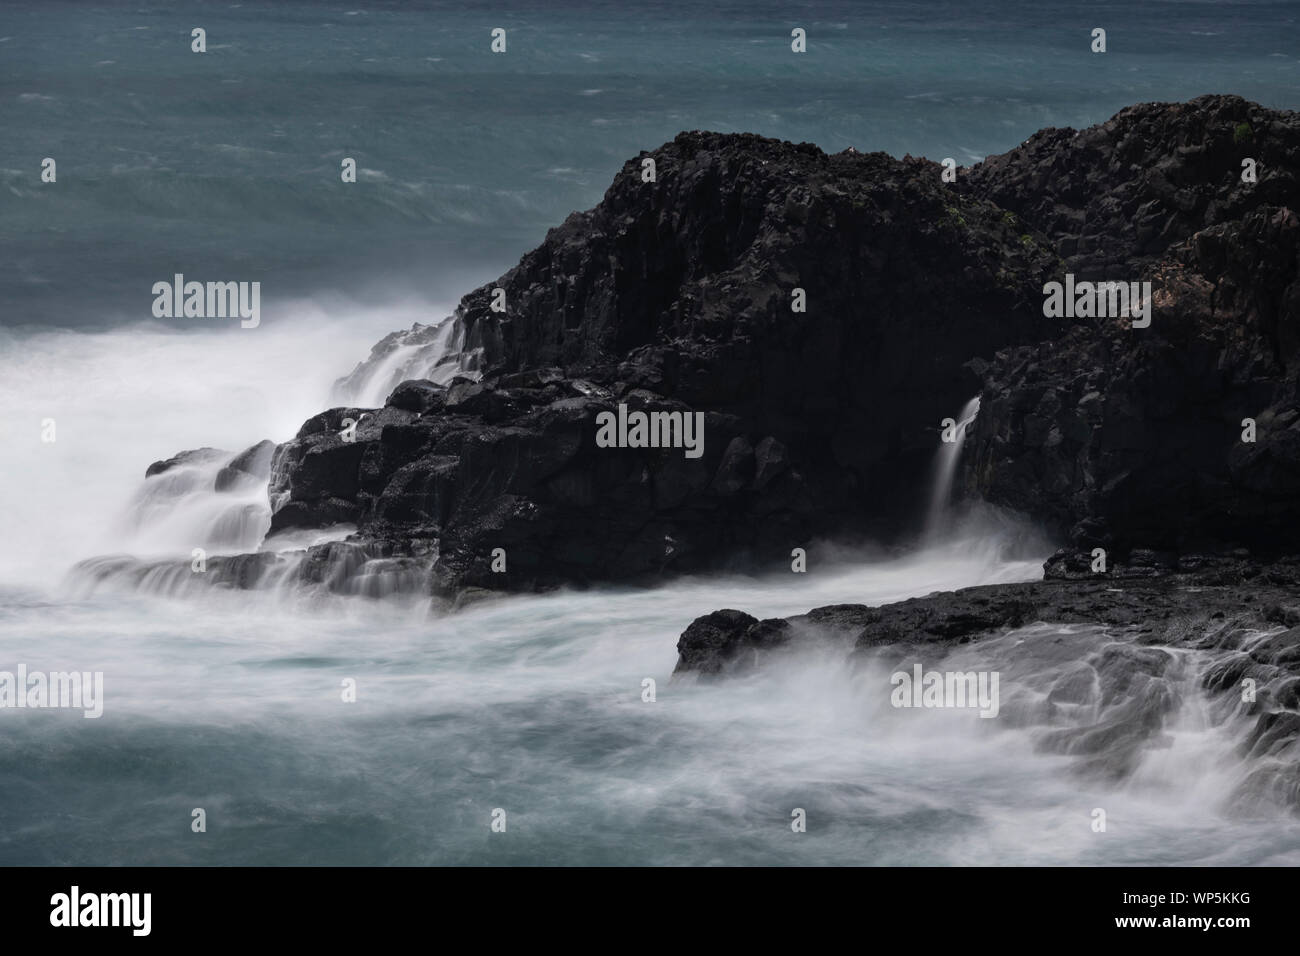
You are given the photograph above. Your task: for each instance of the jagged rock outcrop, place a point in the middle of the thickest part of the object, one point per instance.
(675, 295)
(1116, 196)
(1104, 698)
(1139, 438)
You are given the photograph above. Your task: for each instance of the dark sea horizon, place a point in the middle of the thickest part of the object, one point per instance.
(226, 165)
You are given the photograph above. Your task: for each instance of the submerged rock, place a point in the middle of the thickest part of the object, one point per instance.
(185, 459)
(251, 466)
(1105, 696)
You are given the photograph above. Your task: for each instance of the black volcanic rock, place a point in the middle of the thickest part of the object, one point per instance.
(250, 466)
(418, 395)
(1103, 701)
(1116, 196)
(684, 286)
(317, 478)
(675, 295)
(1178, 607)
(1134, 437)
(1127, 438)
(195, 456)
(728, 642)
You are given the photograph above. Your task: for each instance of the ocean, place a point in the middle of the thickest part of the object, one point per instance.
(226, 166)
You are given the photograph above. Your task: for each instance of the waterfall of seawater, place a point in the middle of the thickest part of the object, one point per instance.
(435, 353)
(939, 516)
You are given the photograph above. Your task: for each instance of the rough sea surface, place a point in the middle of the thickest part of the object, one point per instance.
(225, 166)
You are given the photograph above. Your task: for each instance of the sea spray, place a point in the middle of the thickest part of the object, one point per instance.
(122, 400)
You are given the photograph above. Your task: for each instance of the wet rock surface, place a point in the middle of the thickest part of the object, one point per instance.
(676, 295)
(1144, 642)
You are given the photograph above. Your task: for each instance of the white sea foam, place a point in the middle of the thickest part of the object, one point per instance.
(140, 394)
